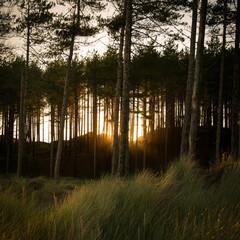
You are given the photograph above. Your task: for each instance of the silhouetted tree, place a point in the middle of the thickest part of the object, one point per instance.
(195, 98)
(187, 116)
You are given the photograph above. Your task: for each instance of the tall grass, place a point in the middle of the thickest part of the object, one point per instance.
(184, 203)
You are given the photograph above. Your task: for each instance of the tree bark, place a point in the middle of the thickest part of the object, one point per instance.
(235, 93)
(52, 139)
(118, 94)
(166, 131)
(64, 104)
(75, 127)
(220, 95)
(197, 74)
(136, 152)
(23, 99)
(123, 147)
(94, 135)
(22, 117)
(10, 136)
(144, 131)
(187, 116)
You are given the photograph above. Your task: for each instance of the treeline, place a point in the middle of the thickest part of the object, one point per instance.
(150, 101)
(157, 103)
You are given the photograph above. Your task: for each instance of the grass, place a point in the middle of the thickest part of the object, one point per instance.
(184, 203)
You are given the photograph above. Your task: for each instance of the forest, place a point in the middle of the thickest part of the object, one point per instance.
(148, 122)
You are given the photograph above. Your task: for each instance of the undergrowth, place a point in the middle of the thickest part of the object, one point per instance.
(184, 203)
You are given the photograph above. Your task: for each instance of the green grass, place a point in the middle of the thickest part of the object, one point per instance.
(184, 203)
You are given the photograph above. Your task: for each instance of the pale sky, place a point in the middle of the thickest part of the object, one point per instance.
(98, 43)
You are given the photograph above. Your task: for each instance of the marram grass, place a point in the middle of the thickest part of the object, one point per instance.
(184, 203)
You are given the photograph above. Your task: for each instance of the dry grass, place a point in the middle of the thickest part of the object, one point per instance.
(184, 203)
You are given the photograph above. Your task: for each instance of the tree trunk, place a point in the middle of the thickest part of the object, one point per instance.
(144, 131)
(132, 119)
(10, 136)
(166, 131)
(136, 153)
(187, 116)
(123, 147)
(88, 118)
(38, 125)
(118, 94)
(112, 118)
(94, 135)
(64, 104)
(220, 95)
(43, 125)
(23, 99)
(22, 117)
(52, 139)
(7, 136)
(152, 114)
(75, 127)
(235, 93)
(226, 113)
(195, 98)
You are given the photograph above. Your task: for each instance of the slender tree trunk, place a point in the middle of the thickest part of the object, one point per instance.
(195, 98)
(187, 116)
(171, 112)
(99, 114)
(43, 128)
(166, 130)
(136, 154)
(112, 118)
(88, 118)
(118, 93)
(38, 125)
(162, 111)
(30, 147)
(235, 93)
(62, 116)
(75, 128)
(10, 136)
(22, 117)
(144, 131)
(107, 116)
(64, 105)
(123, 147)
(23, 100)
(84, 114)
(152, 113)
(104, 117)
(226, 113)
(133, 119)
(7, 135)
(94, 135)
(52, 138)
(220, 95)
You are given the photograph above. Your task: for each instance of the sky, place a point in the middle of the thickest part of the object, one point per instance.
(98, 43)
(86, 45)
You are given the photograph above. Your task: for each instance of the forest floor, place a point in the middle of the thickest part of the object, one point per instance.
(184, 203)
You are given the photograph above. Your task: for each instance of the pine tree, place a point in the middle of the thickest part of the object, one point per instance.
(220, 95)
(34, 15)
(66, 35)
(187, 116)
(195, 96)
(235, 91)
(123, 146)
